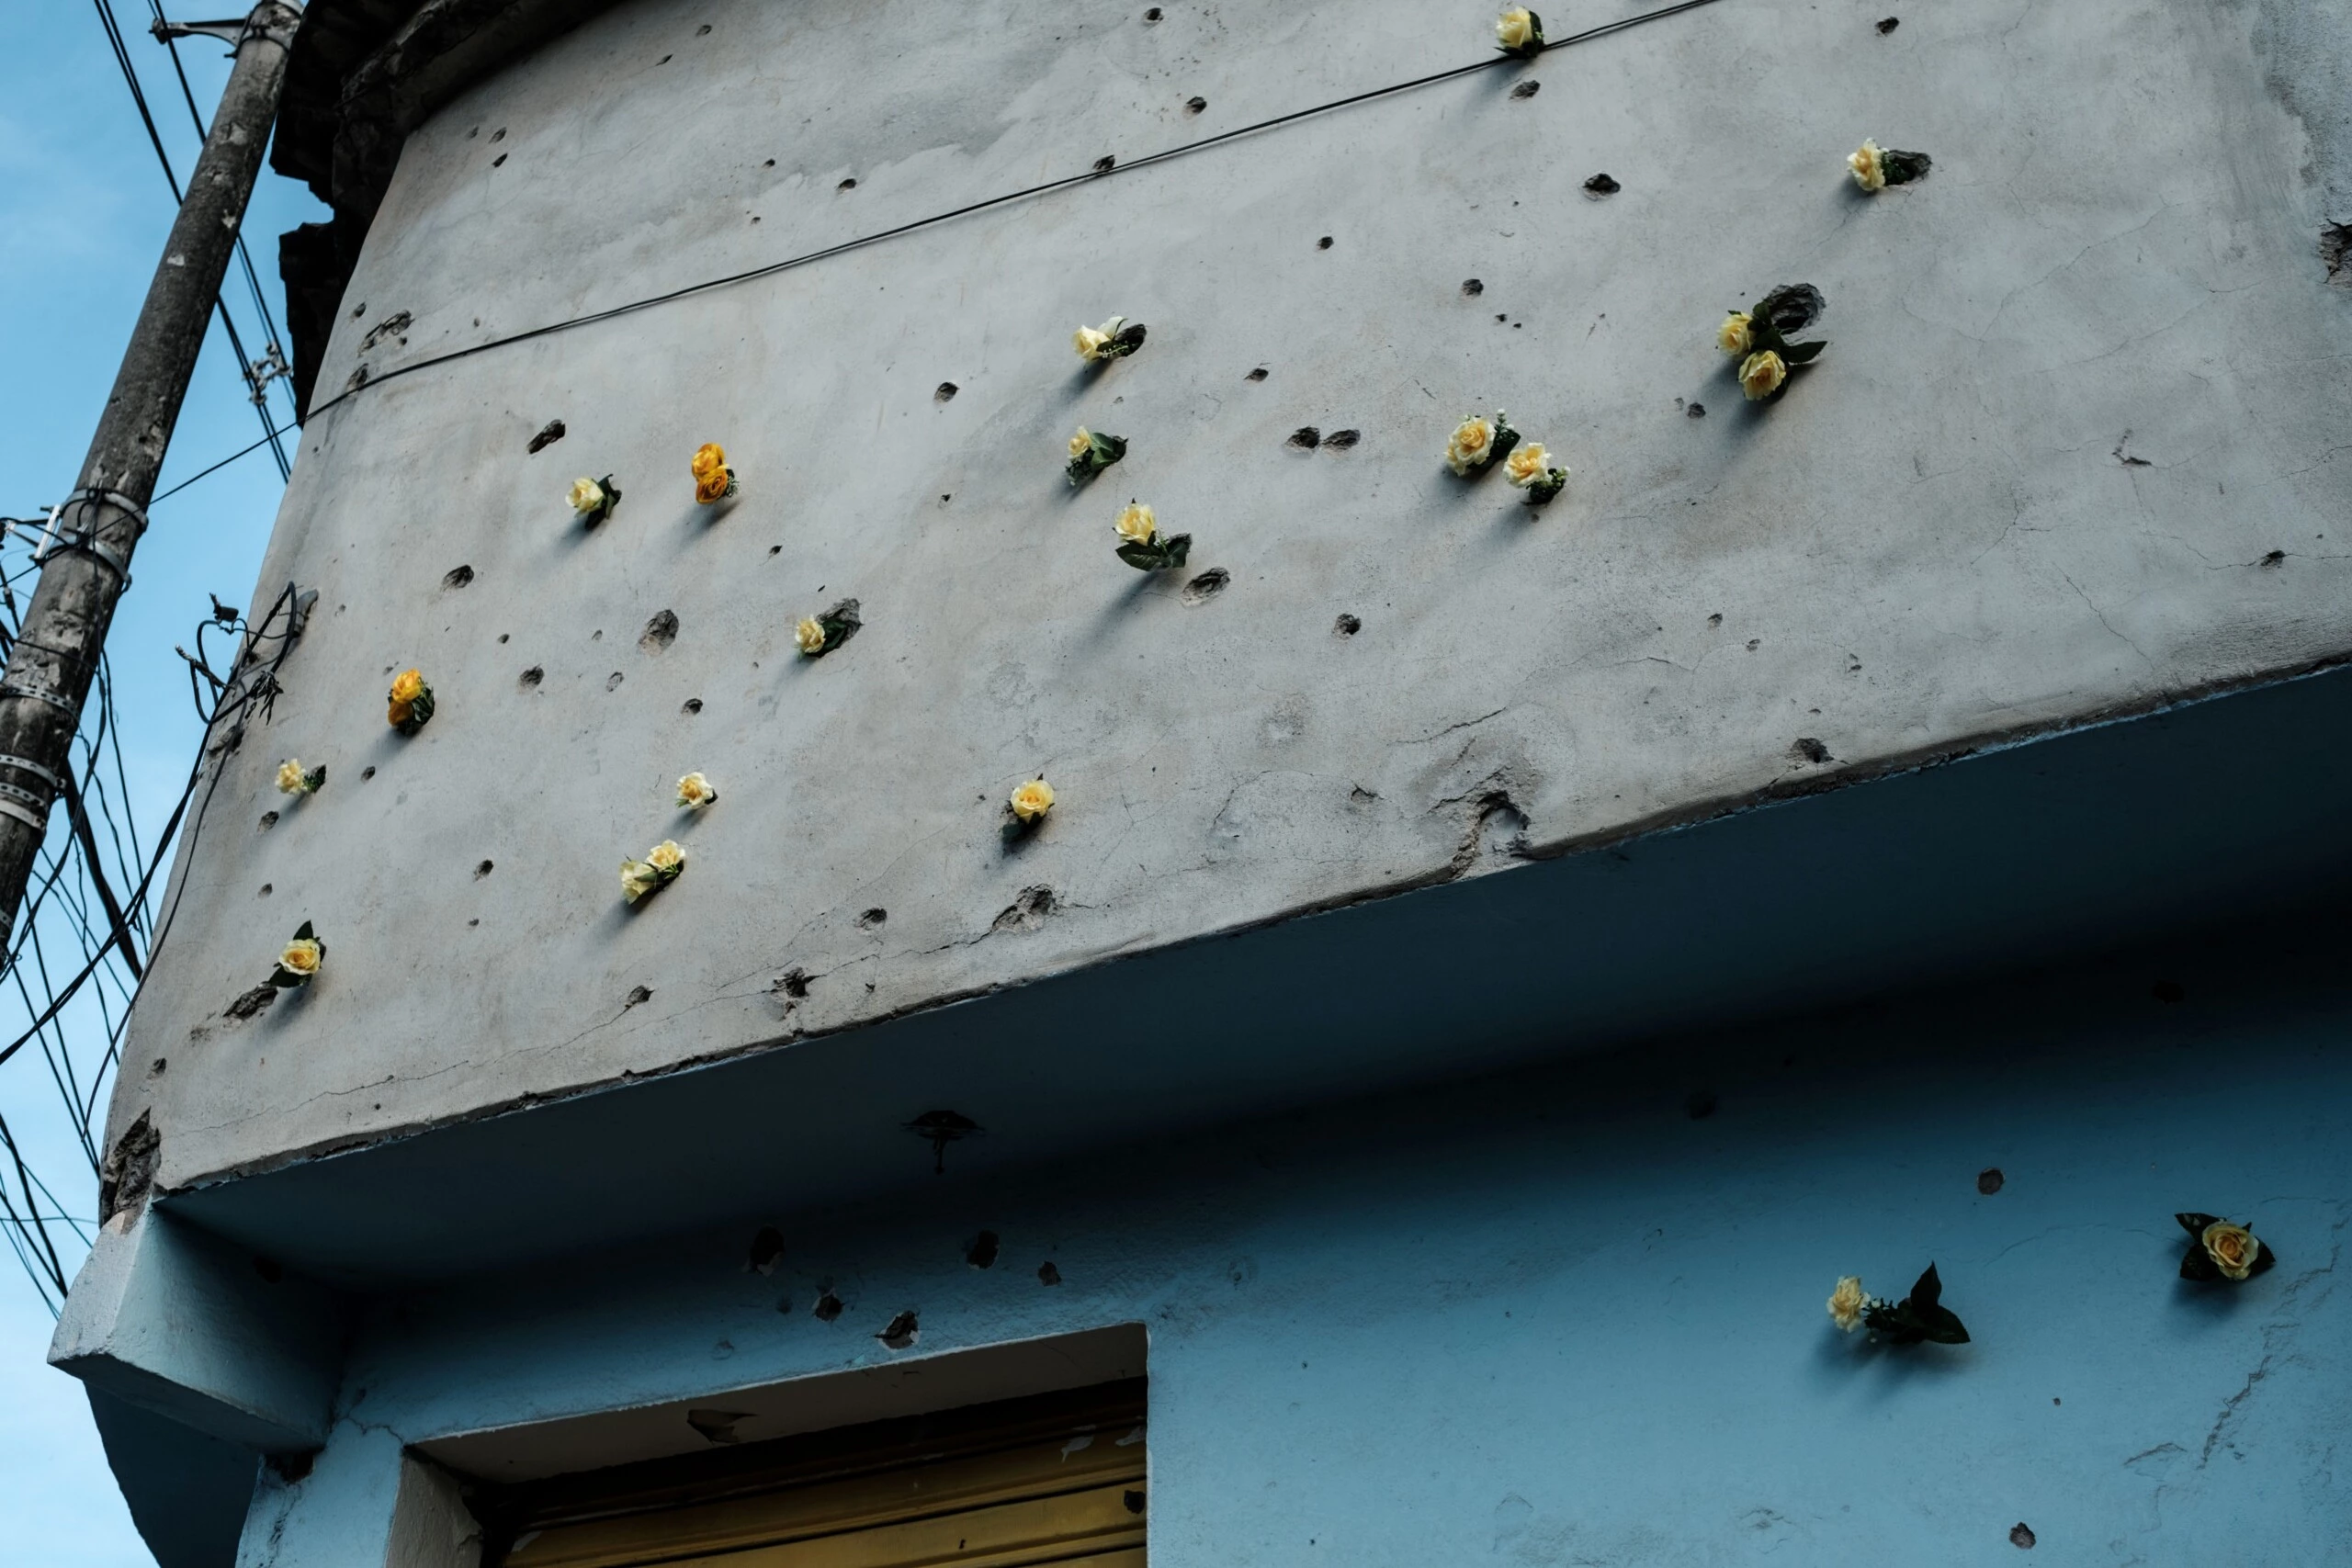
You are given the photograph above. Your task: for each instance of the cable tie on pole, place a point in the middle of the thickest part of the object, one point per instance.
(85, 541)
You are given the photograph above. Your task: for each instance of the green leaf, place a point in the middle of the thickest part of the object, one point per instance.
(1940, 1327)
(303, 933)
(1173, 550)
(1803, 352)
(2263, 1261)
(1506, 440)
(1927, 1293)
(283, 980)
(2194, 1223)
(1143, 558)
(1108, 449)
(2198, 1264)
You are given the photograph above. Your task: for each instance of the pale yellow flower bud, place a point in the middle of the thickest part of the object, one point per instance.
(1527, 463)
(810, 634)
(291, 778)
(587, 495)
(1032, 800)
(1736, 335)
(302, 956)
(1473, 441)
(1760, 375)
(1515, 28)
(695, 792)
(1138, 525)
(1081, 444)
(1846, 1303)
(1869, 166)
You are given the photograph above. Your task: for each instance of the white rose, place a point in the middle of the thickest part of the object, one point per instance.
(1139, 525)
(1515, 28)
(587, 495)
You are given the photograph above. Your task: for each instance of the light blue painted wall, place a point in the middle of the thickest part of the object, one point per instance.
(1553, 1318)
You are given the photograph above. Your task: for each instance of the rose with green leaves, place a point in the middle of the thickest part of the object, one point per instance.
(1090, 452)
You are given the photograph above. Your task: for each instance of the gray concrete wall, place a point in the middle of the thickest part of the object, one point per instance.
(2074, 450)
(1555, 1319)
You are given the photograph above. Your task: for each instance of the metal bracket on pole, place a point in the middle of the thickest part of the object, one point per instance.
(232, 31)
(56, 542)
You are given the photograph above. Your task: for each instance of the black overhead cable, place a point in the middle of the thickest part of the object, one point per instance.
(1100, 171)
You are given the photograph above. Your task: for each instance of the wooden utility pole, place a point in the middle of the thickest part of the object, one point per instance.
(85, 558)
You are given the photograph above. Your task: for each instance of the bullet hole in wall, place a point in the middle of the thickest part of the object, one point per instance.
(1527, 89)
(1133, 1500)
(499, 135)
(1256, 375)
(266, 889)
(2021, 1536)
(637, 996)
(1027, 912)
(1600, 185)
(828, 1307)
(2336, 251)
(1105, 164)
(1048, 1275)
(268, 820)
(702, 30)
(1346, 626)
(482, 870)
(291, 1468)
(692, 705)
(1194, 106)
(1472, 289)
(981, 1251)
(549, 434)
(1305, 437)
(946, 392)
(532, 677)
(1697, 411)
(1715, 620)
(1206, 586)
(253, 1003)
(1701, 1105)
(496, 162)
(666, 60)
(1990, 1181)
(502, 638)
(366, 773)
(900, 1332)
(793, 983)
(872, 918)
(1888, 24)
(1341, 440)
(767, 1250)
(456, 577)
(1152, 15)
(613, 682)
(2168, 992)
(659, 633)
(1805, 749)
(155, 1069)
(1324, 244)
(941, 1128)
(2274, 560)
(774, 550)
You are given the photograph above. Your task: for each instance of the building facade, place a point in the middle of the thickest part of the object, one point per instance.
(1488, 970)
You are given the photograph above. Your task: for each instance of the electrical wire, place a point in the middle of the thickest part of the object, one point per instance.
(1027, 193)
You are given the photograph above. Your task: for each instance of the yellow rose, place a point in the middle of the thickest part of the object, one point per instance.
(1138, 525)
(2231, 1247)
(1736, 337)
(1088, 342)
(407, 686)
(1081, 444)
(717, 486)
(302, 957)
(1760, 375)
(1527, 463)
(637, 879)
(666, 856)
(1032, 800)
(291, 779)
(1846, 1302)
(810, 634)
(695, 792)
(1515, 28)
(1870, 168)
(709, 458)
(1472, 443)
(587, 495)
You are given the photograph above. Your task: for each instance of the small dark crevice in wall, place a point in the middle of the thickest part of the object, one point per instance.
(127, 1172)
(767, 1250)
(980, 1252)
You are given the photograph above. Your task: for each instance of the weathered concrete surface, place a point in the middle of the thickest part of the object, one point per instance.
(2074, 450)
(1558, 1318)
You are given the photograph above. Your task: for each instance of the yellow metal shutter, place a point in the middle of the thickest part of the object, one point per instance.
(1033, 1481)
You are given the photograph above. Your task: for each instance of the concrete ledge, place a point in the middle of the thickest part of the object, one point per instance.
(166, 1318)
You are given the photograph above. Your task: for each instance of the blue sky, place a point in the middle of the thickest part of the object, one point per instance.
(83, 210)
